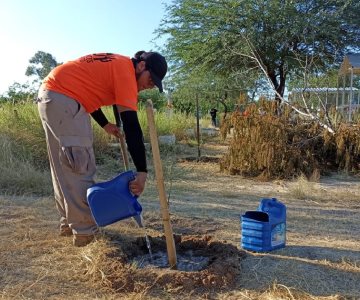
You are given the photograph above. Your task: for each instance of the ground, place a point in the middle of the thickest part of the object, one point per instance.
(321, 259)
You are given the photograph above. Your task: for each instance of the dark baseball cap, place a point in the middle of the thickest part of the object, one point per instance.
(157, 66)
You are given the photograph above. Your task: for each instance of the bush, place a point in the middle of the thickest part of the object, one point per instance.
(287, 146)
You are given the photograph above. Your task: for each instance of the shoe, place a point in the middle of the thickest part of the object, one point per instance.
(83, 240)
(65, 231)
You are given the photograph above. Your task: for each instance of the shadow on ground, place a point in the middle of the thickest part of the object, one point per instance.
(319, 271)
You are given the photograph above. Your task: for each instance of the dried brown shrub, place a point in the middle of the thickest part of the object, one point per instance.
(269, 146)
(347, 140)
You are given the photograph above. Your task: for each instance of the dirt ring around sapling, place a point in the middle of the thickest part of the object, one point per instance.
(220, 265)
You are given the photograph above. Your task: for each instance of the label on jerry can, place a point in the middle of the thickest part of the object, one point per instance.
(278, 235)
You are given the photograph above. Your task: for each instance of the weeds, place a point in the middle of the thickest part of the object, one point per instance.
(301, 189)
(18, 175)
(23, 153)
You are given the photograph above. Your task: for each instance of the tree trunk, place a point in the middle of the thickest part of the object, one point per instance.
(279, 84)
(282, 79)
(225, 107)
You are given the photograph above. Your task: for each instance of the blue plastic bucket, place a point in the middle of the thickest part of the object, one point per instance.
(264, 229)
(112, 201)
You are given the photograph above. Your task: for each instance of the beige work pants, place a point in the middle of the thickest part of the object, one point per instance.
(70, 148)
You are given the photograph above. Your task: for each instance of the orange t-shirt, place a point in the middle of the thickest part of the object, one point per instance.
(96, 80)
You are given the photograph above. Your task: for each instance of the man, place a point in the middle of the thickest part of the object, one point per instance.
(213, 112)
(68, 95)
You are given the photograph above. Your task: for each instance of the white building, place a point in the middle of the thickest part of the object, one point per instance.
(345, 97)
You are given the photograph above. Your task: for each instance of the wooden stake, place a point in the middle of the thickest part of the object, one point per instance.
(124, 152)
(170, 243)
(198, 126)
(122, 142)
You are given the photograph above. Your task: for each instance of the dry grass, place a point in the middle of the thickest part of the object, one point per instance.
(321, 260)
(332, 188)
(17, 174)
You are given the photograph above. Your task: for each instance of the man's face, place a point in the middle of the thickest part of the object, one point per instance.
(144, 81)
(143, 77)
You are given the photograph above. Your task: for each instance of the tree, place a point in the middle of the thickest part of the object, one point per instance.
(40, 65)
(223, 36)
(19, 92)
(212, 91)
(158, 99)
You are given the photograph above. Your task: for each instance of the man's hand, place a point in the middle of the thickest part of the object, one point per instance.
(112, 129)
(137, 186)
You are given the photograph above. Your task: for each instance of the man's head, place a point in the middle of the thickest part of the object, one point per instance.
(151, 68)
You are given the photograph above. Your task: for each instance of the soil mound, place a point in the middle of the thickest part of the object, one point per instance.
(221, 268)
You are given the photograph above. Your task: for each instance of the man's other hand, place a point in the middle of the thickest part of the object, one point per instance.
(112, 129)
(137, 186)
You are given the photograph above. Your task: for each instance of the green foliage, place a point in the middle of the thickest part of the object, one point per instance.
(18, 92)
(168, 123)
(321, 79)
(159, 99)
(223, 38)
(210, 91)
(40, 65)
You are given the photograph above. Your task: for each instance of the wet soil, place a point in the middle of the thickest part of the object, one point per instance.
(203, 263)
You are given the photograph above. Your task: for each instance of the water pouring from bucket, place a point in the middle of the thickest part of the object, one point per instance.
(140, 221)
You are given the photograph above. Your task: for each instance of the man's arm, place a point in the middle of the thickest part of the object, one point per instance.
(135, 142)
(101, 119)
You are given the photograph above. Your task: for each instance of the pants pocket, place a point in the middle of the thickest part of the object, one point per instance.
(77, 158)
(43, 96)
(75, 108)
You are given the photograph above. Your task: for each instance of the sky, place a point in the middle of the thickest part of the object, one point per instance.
(68, 29)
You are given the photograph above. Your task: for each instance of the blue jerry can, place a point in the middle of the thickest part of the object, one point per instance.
(264, 229)
(112, 201)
